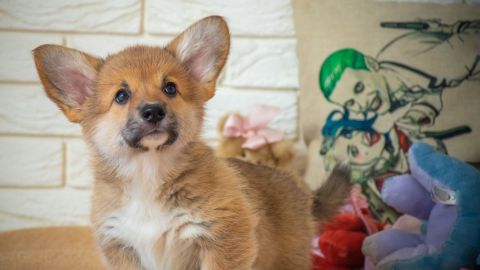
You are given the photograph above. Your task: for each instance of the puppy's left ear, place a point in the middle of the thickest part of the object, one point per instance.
(203, 49)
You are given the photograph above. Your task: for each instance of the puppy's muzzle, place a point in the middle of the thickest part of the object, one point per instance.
(150, 120)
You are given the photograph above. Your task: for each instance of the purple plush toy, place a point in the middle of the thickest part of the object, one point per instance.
(442, 192)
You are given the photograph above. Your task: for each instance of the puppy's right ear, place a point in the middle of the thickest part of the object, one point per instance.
(68, 77)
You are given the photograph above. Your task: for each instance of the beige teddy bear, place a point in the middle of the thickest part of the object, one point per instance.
(278, 154)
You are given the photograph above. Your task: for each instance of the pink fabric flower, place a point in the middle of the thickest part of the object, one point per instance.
(254, 128)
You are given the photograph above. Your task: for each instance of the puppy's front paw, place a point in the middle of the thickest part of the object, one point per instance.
(111, 222)
(110, 229)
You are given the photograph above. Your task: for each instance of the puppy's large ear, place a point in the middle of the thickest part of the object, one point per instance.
(203, 49)
(68, 77)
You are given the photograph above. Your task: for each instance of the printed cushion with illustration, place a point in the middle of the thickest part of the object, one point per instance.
(377, 77)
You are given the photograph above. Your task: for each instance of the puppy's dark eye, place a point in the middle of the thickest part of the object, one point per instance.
(122, 96)
(170, 89)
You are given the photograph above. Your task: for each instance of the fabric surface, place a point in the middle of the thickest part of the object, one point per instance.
(378, 76)
(49, 248)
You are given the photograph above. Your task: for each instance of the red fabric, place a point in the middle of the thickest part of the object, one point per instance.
(343, 247)
(340, 244)
(403, 139)
(319, 263)
(339, 247)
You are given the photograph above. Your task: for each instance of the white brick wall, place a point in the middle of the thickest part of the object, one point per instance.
(44, 176)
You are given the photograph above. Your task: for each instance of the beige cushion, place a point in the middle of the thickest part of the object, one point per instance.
(49, 248)
(383, 88)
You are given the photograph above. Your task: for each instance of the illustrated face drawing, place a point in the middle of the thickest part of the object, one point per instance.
(362, 91)
(360, 148)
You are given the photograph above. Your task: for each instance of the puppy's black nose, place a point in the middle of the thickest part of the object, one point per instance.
(152, 113)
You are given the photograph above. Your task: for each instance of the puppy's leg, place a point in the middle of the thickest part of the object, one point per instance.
(121, 258)
(232, 245)
(222, 260)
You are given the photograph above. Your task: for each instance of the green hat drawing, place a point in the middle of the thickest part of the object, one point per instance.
(334, 66)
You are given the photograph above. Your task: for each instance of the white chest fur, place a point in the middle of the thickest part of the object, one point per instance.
(152, 231)
(155, 232)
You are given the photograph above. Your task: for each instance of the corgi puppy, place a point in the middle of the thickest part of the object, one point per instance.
(161, 199)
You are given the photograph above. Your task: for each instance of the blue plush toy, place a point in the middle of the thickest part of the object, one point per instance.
(444, 193)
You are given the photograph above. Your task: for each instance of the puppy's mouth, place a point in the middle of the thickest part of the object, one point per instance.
(145, 137)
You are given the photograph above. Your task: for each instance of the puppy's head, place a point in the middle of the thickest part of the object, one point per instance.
(141, 99)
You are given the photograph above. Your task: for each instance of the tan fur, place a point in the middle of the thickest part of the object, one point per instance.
(177, 206)
(228, 146)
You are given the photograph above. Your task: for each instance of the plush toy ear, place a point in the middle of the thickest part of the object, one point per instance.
(203, 49)
(68, 77)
